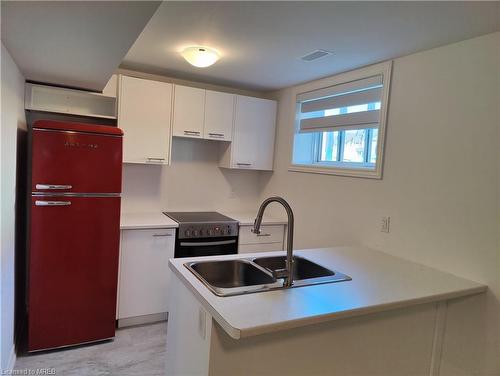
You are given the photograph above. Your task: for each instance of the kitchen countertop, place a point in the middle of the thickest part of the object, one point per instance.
(247, 218)
(380, 282)
(130, 221)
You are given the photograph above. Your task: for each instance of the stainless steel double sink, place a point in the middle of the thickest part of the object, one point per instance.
(250, 275)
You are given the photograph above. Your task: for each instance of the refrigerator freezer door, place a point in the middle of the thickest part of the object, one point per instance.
(69, 161)
(73, 270)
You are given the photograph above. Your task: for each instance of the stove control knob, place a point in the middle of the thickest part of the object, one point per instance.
(195, 233)
(229, 230)
(210, 232)
(222, 232)
(187, 233)
(201, 232)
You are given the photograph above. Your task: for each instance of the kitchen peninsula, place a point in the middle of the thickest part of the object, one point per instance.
(388, 320)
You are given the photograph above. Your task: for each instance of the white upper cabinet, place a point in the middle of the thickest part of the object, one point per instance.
(219, 113)
(189, 111)
(151, 112)
(253, 135)
(69, 101)
(144, 114)
(200, 113)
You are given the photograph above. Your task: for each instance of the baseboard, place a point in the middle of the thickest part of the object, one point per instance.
(12, 359)
(141, 320)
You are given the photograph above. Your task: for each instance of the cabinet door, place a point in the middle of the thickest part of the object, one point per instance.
(266, 125)
(144, 114)
(219, 111)
(271, 238)
(144, 271)
(254, 132)
(260, 247)
(268, 234)
(189, 111)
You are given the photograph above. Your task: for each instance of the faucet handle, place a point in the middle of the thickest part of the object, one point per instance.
(280, 273)
(283, 274)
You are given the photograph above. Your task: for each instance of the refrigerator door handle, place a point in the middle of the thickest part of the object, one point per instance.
(53, 186)
(52, 203)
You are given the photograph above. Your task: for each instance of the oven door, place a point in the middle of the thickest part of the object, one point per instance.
(206, 246)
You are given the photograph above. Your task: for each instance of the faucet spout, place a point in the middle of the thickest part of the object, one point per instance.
(287, 273)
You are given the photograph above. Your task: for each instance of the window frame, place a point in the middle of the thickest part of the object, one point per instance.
(352, 169)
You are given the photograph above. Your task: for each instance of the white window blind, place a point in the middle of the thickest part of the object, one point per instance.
(350, 105)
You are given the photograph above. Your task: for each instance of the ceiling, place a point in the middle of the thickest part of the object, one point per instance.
(72, 43)
(261, 42)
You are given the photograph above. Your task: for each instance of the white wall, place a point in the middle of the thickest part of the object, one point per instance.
(440, 187)
(192, 182)
(12, 110)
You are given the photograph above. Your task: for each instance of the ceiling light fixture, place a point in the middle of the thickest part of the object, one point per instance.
(200, 56)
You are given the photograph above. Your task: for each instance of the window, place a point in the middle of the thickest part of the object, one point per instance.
(340, 123)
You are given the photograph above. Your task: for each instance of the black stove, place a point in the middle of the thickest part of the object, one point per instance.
(204, 234)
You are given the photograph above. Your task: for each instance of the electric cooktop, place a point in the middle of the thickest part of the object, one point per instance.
(198, 217)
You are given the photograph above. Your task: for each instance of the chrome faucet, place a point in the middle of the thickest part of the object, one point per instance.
(286, 273)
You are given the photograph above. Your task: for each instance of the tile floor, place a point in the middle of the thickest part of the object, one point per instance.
(135, 351)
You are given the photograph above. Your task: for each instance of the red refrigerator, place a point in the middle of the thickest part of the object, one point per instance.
(74, 229)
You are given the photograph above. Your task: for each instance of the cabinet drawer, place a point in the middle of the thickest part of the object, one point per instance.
(264, 247)
(268, 234)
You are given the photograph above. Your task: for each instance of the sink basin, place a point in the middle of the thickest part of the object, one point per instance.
(232, 277)
(245, 276)
(302, 268)
(305, 272)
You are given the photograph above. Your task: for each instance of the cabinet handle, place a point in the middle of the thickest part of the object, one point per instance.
(53, 186)
(216, 134)
(155, 159)
(195, 133)
(52, 203)
(159, 235)
(243, 164)
(263, 234)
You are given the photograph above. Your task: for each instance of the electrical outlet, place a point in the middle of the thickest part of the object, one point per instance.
(385, 224)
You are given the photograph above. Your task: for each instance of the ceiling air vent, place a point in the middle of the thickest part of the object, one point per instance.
(316, 54)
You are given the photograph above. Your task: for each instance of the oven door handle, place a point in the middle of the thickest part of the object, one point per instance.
(203, 244)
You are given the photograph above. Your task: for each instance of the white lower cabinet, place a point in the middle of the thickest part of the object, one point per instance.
(263, 247)
(271, 238)
(144, 275)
